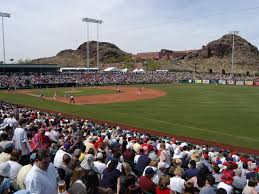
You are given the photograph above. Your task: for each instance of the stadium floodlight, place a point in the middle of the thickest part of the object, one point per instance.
(4, 15)
(91, 20)
(233, 47)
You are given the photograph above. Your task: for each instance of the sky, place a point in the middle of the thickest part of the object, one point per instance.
(42, 28)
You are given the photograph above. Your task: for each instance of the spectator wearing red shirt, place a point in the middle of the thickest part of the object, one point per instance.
(40, 141)
(162, 187)
(145, 182)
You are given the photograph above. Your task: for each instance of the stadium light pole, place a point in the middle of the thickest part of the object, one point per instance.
(233, 48)
(4, 15)
(91, 20)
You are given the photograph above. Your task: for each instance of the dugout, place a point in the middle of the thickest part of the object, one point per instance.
(39, 68)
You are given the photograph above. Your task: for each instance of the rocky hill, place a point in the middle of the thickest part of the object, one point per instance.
(216, 55)
(108, 53)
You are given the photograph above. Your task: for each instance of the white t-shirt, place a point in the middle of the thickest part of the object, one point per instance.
(15, 168)
(38, 181)
(225, 186)
(58, 160)
(177, 184)
(100, 166)
(20, 141)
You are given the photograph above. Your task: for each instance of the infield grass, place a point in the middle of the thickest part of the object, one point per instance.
(225, 114)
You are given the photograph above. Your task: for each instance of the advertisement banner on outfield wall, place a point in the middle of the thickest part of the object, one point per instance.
(240, 83)
(249, 83)
(256, 83)
(231, 82)
(213, 81)
(221, 81)
(205, 81)
(198, 81)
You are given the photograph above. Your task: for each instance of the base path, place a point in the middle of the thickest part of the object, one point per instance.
(126, 94)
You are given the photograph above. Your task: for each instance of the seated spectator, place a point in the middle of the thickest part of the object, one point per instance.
(58, 160)
(239, 182)
(4, 178)
(6, 154)
(250, 187)
(88, 163)
(74, 162)
(191, 171)
(24, 171)
(130, 180)
(189, 188)
(143, 161)
(125, 171)
(208, 188)
(162, 170)
(4, 141)
(221, 191)
(145, 182)
(68, 171)
(176, 182)
(216, 174)
(133, 189)
(251, 173)
(92, 184)
(15, 166)
(111, 177)
(163, 183)
(40, 140)
(98, 162)
(77, 185)
(226, 183)
(129, 154)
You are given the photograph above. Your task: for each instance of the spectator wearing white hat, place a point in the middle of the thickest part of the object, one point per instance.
(162, 170)
(88, 163)
(98, 162)
(4, 175)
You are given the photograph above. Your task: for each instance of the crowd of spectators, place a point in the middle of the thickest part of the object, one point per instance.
(43, 153)
(21, 80)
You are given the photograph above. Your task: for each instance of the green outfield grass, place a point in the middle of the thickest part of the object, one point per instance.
(225, 114)
(49, 92)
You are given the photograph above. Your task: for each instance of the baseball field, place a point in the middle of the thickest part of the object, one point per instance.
(227, 115)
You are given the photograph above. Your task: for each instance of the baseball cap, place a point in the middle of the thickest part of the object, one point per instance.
(99, 155)
(150, 171)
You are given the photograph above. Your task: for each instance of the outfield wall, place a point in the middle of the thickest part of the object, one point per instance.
(222, 82)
